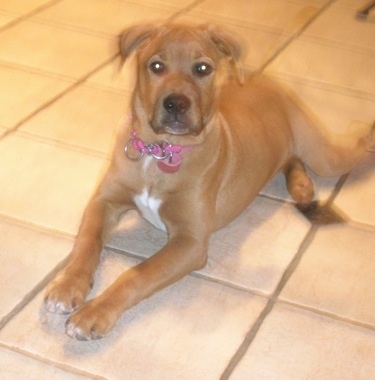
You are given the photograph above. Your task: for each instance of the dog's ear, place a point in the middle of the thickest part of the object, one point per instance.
(228, 46)
(133, 37)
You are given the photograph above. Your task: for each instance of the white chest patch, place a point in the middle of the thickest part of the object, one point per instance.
(149, 208)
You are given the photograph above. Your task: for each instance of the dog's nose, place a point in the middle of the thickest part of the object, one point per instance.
(176, 104)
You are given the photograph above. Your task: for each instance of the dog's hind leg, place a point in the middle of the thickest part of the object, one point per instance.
(328, 155)
(298, 183)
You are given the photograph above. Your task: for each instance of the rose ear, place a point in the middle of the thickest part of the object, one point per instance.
(133, 37)
(228, 46)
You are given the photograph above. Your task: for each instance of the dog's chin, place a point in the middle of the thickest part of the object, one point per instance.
(176, 128)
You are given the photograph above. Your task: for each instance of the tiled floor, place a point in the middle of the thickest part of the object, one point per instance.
(280, 298)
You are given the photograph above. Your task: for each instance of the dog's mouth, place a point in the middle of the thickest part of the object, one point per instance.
(174, 127)
(177, 128)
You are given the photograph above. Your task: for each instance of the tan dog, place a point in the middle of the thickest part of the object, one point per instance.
(197, 152)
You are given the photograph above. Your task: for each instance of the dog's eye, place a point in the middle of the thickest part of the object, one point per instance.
(157, 67)
(202, 69)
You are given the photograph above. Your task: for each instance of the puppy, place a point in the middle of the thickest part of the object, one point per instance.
(202, 142)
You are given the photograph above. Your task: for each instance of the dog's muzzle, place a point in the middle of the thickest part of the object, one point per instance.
(176, 116)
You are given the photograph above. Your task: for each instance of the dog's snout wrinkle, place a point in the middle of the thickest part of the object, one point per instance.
(177, 104)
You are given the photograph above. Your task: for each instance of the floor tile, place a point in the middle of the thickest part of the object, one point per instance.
(325, 63)
(336, 274)
(22, 92)
(297, 344)
(335, 108)
(5, 18)
(108, 17)
(360, 7)
(270, 15)
(353, 4)
(26, 257)
(22, 6)
(61, 52)
(357, 197)
(45, 184)
(117, 76)
(348, 29)
(17, 367)
(86, 117)
(3, 130)
(252, 252)
(191, 328)
(180, 4)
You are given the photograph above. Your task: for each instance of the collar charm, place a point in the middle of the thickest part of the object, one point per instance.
(168, 156)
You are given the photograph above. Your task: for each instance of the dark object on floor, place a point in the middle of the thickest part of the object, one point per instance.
(364, 12)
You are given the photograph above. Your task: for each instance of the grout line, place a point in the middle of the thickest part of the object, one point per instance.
(35, 227)
(71, 146)
(28, 297)
(252, 333)
(76, 29)
(323, 85)
(328, 314)
(33, 293)
(76, 84)
(28, 15)
(194, 274)
(36, 71)
(60, 95)
(276, 199)
(183, 10)
(295, 35)
(361, 226)
(338, 186)
(231, 285)
(63, 367)
(341, 45)
(124, 253)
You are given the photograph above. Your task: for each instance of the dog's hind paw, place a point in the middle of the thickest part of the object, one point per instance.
(299, 184)
(302, 190)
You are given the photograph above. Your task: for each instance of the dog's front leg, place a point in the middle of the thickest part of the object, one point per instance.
(70, 287)
(183, 254)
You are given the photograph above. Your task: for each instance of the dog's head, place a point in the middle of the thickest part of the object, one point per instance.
(178, 71)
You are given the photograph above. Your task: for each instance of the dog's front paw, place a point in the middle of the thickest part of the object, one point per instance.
(92, 321)
(67, 291)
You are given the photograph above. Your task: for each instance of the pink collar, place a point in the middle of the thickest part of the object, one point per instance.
(168, 156)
